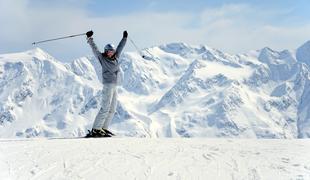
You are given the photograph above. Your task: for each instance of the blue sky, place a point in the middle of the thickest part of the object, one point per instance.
(232, 26)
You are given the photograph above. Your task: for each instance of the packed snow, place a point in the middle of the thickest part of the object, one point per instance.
(149, 158)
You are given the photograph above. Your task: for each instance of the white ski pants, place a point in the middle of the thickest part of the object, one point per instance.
(108, 106)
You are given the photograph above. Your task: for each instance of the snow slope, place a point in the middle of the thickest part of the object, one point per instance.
(148, 158)
(182, 91)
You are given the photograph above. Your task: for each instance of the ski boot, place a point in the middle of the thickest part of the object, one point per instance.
(97, 133)
(108, 132)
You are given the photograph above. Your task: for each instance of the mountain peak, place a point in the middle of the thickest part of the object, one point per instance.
(183, 48)
(303, 53)
(39, 53)
(270, 56)
(175, 47)
(37, 50)
(27, 55)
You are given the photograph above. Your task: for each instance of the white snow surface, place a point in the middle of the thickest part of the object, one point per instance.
(179, 91)
(154, 158)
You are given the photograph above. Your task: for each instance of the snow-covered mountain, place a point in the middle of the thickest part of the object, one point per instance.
(182, 91)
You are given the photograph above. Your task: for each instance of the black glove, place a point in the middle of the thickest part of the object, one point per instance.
(125, 34)
(89, 33)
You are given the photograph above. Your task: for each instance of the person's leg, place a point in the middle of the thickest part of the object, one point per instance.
(112, 109)
(105, 106)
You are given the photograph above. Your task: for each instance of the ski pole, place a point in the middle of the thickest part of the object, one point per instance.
(57, 38)
(134, 44)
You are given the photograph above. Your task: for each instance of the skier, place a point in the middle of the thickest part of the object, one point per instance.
(110, 68)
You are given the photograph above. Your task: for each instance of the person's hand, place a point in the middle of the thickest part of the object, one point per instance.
(125, 34)
(89, 33)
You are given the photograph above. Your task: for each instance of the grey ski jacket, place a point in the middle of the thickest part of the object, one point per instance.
(110, 66)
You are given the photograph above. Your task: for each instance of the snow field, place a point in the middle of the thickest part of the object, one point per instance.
(149, 158)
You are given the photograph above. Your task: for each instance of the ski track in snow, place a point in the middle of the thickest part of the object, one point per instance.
(170, 158)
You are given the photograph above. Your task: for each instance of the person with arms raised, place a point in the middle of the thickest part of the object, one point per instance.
(109, 61)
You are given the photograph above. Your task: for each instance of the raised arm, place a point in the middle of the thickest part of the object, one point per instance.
(92, 44)
(121, 45)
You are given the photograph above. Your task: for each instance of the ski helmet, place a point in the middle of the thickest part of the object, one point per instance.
(109, 47)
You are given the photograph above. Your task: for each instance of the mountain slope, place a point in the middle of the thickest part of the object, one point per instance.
(42, 97)
(182, 91)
